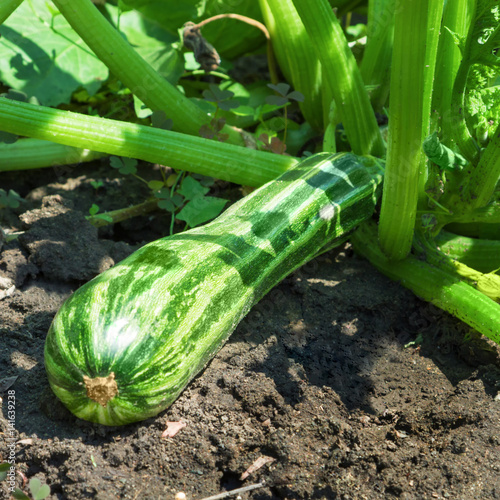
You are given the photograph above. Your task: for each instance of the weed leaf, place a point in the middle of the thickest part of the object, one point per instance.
(276, 100)
(201, 210)
(124, 165)
(155, 185)
(19, 495)
(280, 88)
(192, 189)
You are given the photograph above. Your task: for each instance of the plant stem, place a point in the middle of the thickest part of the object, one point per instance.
(455, 19)
(134, 72)
(7, 7)
(122, 214)
(482, 255)
(438, 286)
(376, 63)
(481, 182)
(466, 143)
(296, 55)
(341, 76)
(487, 215)
(415, 34)
(29, 154)
(179, 151)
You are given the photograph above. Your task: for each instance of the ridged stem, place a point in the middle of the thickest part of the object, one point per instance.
(7, 7)
(416, 35)
(179, 151)
(441, 287)
(133, 71)
(296, 56)
(482, 255)
(455, 18)
(461, 134)
(376, 63)
(30, 154)
(488, 215)
(481, 182)
(341, 76)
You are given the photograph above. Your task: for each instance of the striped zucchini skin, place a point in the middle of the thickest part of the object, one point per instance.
(152, 322)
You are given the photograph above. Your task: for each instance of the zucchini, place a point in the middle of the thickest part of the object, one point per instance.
(124, 345)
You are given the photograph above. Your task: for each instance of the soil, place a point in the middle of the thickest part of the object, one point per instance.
(338, 384)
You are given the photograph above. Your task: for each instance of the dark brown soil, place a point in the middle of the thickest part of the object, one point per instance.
(321, 380)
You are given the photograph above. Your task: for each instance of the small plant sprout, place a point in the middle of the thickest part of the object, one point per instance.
(223, 99)
(10, 199)
(97, 184)
(283, 98)
(94, 213)
(37, 490)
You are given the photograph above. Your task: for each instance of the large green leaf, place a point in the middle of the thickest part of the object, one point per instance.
(154, 44)
(230, 37)
(41, 55)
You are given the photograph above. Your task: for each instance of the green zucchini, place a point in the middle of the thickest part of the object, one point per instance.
(124, 345)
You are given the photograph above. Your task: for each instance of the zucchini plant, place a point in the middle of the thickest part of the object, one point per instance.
(125, 345)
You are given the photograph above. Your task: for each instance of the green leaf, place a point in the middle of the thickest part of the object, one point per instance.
(485, 36)
(155, 185)
(42, 493)
(10, 199)
(35, 485)
(296, 96)
(163, 193)
(228, 105)
(124, 165)
(276, 100)
(19, 495)
(7, 138)
(4, 468)
(441, 155)
(154, 44)
(230, 37)
(280, 88)
(178, 200)
(105, 217)
(191, 188)
(93, 209)
(44, 61)
(159, 120)
(167, 205)
(215, 94)
(201, 210)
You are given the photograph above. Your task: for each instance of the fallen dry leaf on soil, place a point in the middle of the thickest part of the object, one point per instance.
(256, 466)
(172, 429)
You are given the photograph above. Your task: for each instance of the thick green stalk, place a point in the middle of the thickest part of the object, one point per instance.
(7, 7)
(296, 56)
(455, 19)
(482, 255)
(484, 215)
(412, 67)
(440, 287)
(434, 18)
(376, 63)
(342, 76)
(481, 182)
(134, 72)
(179, 151)
(467, 145)
(29, 154)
